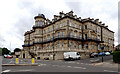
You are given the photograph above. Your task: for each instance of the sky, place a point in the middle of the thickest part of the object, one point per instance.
(17, 16)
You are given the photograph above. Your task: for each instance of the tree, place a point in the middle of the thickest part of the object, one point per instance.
(0, 51)
(5, 51)
(17, 50)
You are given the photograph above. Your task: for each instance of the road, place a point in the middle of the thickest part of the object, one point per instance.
(60, 66)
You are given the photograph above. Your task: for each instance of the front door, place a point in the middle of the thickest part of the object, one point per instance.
(23, 55)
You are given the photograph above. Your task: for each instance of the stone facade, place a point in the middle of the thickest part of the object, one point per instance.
(65, 33)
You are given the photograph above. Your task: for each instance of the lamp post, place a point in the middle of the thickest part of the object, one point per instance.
(102, 48)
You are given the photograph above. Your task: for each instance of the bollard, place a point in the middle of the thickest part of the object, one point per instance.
(17, 60)
(33, 60)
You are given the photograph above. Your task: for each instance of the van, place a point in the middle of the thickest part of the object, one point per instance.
(71, 56)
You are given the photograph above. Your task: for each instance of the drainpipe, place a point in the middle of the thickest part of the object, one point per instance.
(82, 36)
(53, 44)
(68, 31)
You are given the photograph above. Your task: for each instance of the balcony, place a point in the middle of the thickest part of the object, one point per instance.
(92, 39)
(67, 37)
(63, 50)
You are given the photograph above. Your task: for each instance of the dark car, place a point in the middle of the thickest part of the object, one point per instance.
(101, 53)
(94, 55)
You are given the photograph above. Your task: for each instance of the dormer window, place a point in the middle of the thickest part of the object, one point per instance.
(85, 26)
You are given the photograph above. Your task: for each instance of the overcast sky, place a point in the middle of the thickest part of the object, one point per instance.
(17, 16)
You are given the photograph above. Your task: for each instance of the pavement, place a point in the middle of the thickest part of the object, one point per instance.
(109, 64)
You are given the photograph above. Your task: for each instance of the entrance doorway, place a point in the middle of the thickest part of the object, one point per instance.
(23, 55)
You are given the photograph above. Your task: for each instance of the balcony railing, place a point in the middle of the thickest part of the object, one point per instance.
(63, 50)
(92, 39)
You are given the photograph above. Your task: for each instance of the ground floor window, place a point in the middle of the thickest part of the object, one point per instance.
(79, 46)
(75, 45)
(70, 44)
(86, 46)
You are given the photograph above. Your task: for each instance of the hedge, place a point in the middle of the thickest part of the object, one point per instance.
(116, 56)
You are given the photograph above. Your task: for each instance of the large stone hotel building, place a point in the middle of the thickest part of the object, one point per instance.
(66, 32)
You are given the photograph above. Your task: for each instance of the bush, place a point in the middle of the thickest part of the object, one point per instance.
(116, 56)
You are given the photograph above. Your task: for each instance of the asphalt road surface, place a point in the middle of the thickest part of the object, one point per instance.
(59, 66)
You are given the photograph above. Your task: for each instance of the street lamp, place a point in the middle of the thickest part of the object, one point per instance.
(102, 48)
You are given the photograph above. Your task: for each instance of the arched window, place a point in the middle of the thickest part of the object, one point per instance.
(75, 35)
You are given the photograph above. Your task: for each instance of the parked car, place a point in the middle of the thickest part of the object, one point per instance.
(9, 56)
(101, 53)
(5, 56)
(93, 55)
(71, 56)
(107, 53)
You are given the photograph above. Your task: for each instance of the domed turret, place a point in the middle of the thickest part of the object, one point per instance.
(40, 16)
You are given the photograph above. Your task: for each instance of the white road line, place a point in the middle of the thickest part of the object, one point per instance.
(69, 66)
(6, 71)
(55, 65)
(42, 65)
(80, 67)
(81, 63)
(110, 71)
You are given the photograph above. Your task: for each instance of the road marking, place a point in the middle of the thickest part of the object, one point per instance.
(110, 71)
(69, 66)
(70, 62)
(81, 63)
(42, 65)
(25, 70)
(79, 67)
(6, 71)
(55, 65)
